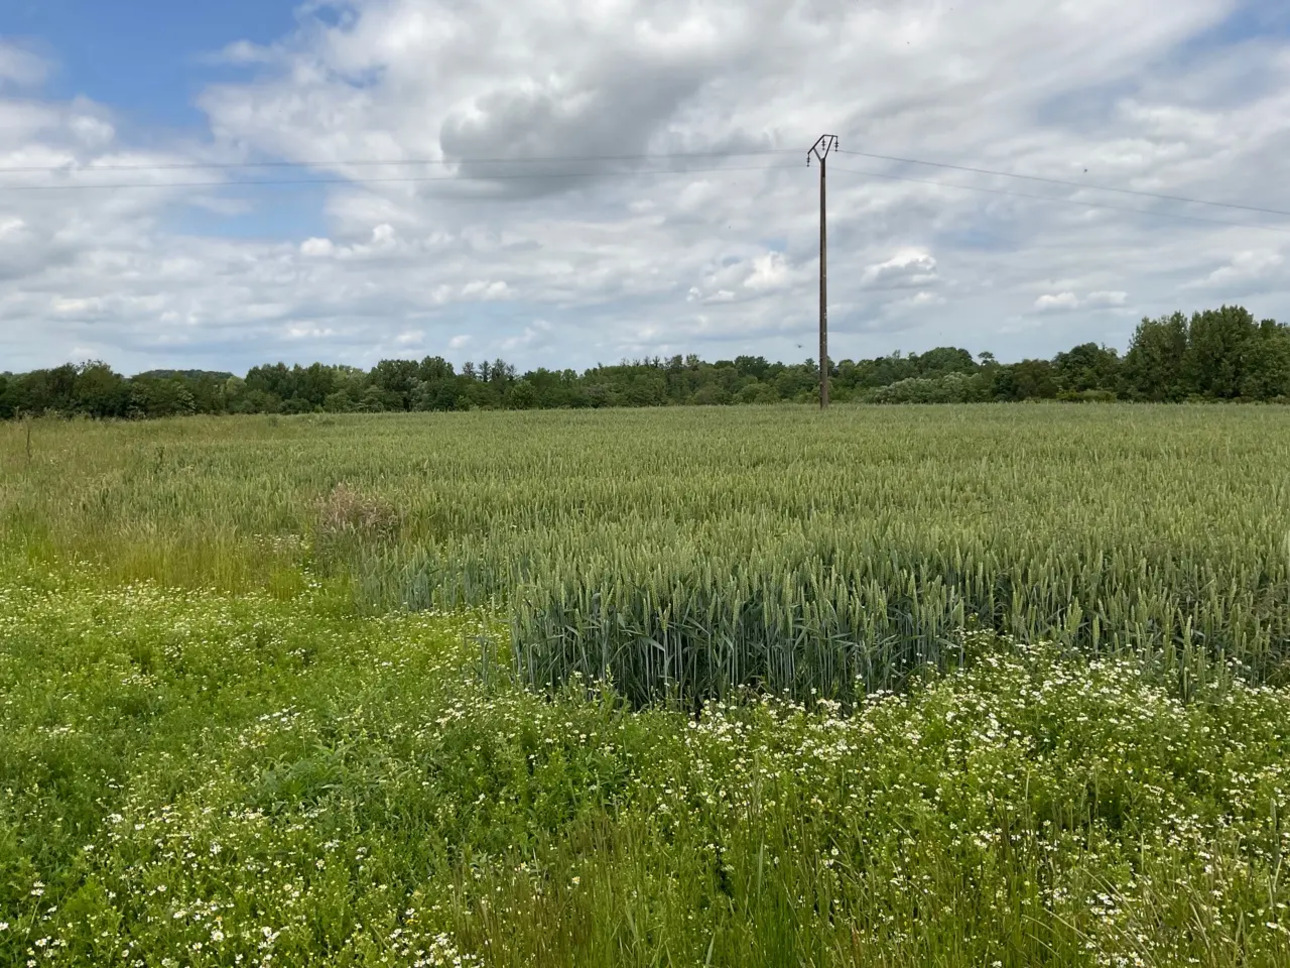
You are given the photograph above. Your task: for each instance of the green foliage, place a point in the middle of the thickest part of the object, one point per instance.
(950, 388)
(154, 397)
(1266, 373)
(245, 718)
(1220, 348)
(1087, 368)
(100, 392)
(1153, 367)
(1218, 354)
(203, 779)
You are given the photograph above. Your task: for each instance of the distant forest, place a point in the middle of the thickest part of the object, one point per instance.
(1220, 354)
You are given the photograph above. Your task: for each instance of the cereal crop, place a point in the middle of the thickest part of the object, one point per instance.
(959, 686)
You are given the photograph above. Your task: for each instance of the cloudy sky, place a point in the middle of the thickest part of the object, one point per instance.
(566, 182)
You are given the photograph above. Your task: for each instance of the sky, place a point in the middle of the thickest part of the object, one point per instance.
(563, 183)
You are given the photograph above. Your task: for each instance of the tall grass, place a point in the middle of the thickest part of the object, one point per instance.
(700, 551)
(211, 780)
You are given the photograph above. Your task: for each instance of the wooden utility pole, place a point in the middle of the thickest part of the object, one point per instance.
(820, 150)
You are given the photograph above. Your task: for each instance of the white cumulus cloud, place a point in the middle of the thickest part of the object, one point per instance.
(473, 234)
(1055, 302)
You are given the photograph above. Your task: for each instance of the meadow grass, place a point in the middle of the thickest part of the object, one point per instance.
(202, 779)
(962, 686)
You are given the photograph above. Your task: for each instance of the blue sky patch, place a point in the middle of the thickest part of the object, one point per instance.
(146, 58)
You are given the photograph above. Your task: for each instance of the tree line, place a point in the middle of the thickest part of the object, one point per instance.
(1218, 354)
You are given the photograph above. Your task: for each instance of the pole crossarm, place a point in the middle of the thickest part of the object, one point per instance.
(822, 147)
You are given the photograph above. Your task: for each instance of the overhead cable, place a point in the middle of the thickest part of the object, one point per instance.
(1064, 201)
(1068, 183)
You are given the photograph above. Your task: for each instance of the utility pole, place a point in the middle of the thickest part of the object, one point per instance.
(820, 150)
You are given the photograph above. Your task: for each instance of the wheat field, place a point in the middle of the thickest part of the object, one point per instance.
(696, 551)
(905, 686)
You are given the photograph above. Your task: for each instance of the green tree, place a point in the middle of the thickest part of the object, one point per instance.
(1087, 367)
(1267, 376)
(372, 400)
(754, 366)
(395, 380)
(434, 368)
(208, 392)
(942, 360)
(314, 384)
(272, 380)
(338, 402)
(1221, 344)
(1027, 380)
(1153, 367)
(100, 392)
(234, 394)
(521, 395)
(47, 391)
(711, 394)
(1215, 354)
(156, 397)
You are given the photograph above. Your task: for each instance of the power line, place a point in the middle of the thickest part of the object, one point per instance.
(526, 176)
(400, 179)
(1068, 183)
(391, 162)
(567, 159)
(1068, 201)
